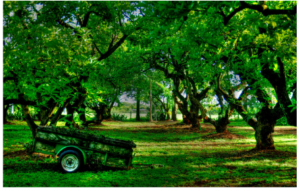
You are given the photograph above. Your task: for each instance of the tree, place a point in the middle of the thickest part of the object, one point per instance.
(255, 39)
(67, 38)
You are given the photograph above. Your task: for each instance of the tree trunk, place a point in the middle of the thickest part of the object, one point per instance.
(99, 114)
(264, 129)
(138, 117)
(33, 127)
(5, 108)
(195, 121)
(168, 116)
(193, 117)
(221, 124)
(44, 116)
(70, 116)
(264, 137)
(174, 112)
(221, 128)
(108, 113)
(57, 115)
(246, 104)
(46, 111)
(82, 114)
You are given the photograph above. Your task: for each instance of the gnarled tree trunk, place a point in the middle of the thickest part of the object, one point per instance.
(264, 129)
(70, 116)
(100, 113)
(82, 114)
(5, 108)
(57, 115)
(266, 117)
(193, 117)
(46, 111)
(33, 127)
(174, 112)
(220, 124)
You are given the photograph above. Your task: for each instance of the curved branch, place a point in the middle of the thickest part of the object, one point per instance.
(260, 8)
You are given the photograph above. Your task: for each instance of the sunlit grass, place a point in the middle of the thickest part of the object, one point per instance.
(187, 159)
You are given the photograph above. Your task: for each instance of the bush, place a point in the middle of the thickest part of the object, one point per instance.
(15, 116)
(142, 119)
(282, 121)
(118, 117)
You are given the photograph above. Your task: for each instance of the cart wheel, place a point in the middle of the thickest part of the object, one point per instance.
(70, 161)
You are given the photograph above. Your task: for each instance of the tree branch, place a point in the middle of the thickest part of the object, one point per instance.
(260, 8)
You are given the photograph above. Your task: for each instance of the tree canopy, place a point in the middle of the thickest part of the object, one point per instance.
(79, 54)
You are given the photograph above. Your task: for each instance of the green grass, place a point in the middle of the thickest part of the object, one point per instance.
(188, 159)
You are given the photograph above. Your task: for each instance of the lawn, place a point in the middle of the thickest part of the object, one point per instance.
(167, 155)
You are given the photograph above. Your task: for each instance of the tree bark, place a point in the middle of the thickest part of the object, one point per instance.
(266, 117)
(57, 115)
(264, 137)
(278, 81)
(82, 114)
(193, 117)
(45, 115)
(108, 113)
(70, 116)
(220, 124)
(174, 112)
(5, 108)
(46, 112)
(100, 112)
(30, 122)
(264, 129)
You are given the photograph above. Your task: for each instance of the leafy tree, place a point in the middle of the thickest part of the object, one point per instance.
(59, 41)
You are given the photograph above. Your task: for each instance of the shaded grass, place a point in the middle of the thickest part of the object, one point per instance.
(186, 157)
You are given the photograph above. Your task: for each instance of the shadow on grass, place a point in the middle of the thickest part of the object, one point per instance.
(221, 168)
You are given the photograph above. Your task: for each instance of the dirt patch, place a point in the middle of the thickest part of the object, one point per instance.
(226, 135)
(9, 123)
(15, 154)
(199, 183)
(230, 167)
(271, 154)
(24, 155)
(94, 125)
(161, 129)
(263, 183)
(234, 183)
(110, 120)
(285, 131)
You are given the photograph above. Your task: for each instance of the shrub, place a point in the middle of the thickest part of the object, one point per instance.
(118, 117)
(15, 116)
(282, 121)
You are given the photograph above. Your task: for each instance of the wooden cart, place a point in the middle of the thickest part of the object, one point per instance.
(76, 148)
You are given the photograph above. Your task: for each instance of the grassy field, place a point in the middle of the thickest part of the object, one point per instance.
(179, 116)
(183, 158)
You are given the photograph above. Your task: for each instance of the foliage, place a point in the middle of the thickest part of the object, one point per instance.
(282, 121)
(118, 117)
